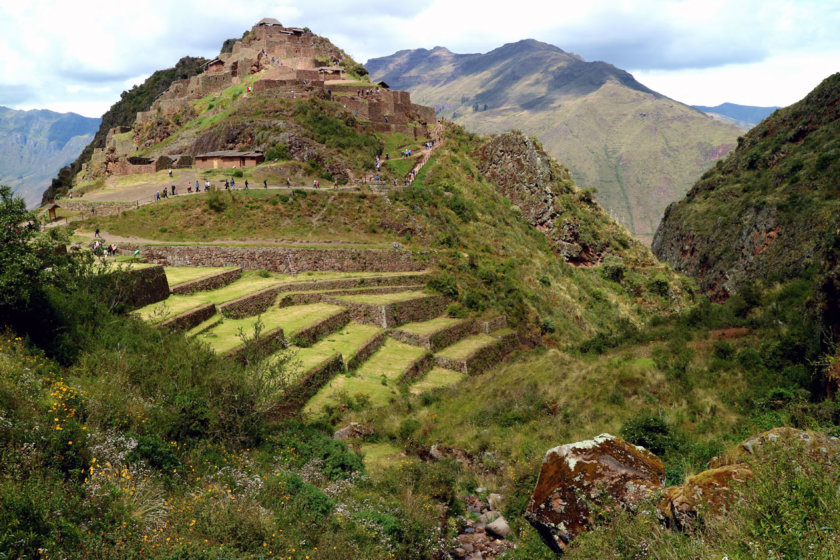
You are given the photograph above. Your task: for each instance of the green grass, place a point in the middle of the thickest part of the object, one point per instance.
(225, 336)
(250, 283)
(379, 456)
(384, 299)
(423, 328)
(346, 342)
(176, 304)
(267, 217)
(377, 378)
(435, 379)
(179, 274)
(468, 346)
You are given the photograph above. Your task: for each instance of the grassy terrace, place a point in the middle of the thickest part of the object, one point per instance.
(377, 378)
(250, 283)
(424, 328)
(384, 299)
(180, 274)
(468, 346)
(346, 342)
(225, 336)
(176, 304)
(437, 377)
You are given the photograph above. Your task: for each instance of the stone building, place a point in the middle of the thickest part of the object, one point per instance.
(228, 158)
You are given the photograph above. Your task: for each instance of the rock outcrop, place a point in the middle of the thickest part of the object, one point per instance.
(606, 472)
(546, 195)
(709, 491)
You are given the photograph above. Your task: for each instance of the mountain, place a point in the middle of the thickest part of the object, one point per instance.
(35, 144)
(376, 369)
(638, 148)
(770, 212)
(744, 116)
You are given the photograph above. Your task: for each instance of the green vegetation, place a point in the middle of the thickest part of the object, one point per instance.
(383, 299)
(429, 327)
(346, 341)
(257, 214)
(374, 384)
(228, 334)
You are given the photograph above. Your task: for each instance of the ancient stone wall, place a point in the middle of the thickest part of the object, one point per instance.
(296, 397)
(402, 312)
(367, 350)
(267, 343)
(251, 304)
(208, 283)
(417, 368)
(189, 319)
(137, 287)
(285, 259)
(313, 333)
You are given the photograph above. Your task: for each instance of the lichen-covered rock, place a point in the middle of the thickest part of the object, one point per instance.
(709, 492)
(817, 446)
(606, 471)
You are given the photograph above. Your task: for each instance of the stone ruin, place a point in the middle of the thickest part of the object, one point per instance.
(291, 65)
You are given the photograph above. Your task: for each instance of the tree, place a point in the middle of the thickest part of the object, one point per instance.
(28, 258)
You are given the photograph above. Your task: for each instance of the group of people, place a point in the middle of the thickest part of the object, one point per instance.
(110, 250)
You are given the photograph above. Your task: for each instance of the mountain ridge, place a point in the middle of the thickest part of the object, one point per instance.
(640, 149)
(35, 144)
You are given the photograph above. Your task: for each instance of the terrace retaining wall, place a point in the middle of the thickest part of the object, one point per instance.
(313, 333)
(295, 398)
(213, 282)
(417, 368)
(251, 304)
(189, 319)
(367, 350)
(287, 260)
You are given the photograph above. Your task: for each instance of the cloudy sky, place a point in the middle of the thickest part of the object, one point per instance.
(78, 56)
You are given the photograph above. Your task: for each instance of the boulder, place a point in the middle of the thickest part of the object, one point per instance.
(353, 430)
(708, 491)
(606, 471)
(499, 528)
(817, 446)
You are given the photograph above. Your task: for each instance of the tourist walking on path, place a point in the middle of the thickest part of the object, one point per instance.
(246, 184)
(96, 233)
(265, 183)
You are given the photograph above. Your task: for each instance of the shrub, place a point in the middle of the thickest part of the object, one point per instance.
(444, 284)
(613, 268)
(155, 452)
(651, 432)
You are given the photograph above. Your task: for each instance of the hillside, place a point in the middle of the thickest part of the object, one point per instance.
(122, 113)
(34, 145)
(639, 149)
(769, 212)
(743, 116)
(375, 367)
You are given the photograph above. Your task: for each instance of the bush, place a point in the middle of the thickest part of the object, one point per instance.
(613, 268)
(444, 284)
(651, 432)
(155, 452)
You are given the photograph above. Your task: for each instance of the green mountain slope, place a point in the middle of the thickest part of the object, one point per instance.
(771, 211)
(639, 149)
(34, 145)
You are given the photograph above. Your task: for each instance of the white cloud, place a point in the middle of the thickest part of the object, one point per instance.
(745, 51)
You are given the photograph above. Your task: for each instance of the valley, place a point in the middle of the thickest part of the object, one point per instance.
(405, 339)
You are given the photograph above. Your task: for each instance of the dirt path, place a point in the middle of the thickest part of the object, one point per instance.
(119, 239)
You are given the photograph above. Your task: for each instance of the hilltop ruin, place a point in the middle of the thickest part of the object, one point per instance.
(284, 62)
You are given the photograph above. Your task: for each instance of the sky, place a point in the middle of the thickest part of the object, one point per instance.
(79, 56)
